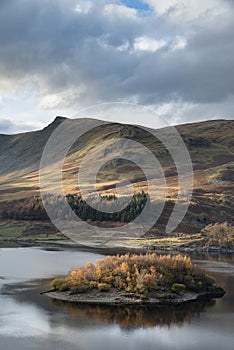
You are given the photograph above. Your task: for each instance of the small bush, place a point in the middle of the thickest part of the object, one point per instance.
(63, 287)
(103, 287)
(209, 280)
(178, 288)
(79, 288)
(60, 284)
(93, 284)
(56, 282)
(199, 285)
(218, 235)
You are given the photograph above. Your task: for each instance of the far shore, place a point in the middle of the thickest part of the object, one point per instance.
(28, 233)
(115, 249)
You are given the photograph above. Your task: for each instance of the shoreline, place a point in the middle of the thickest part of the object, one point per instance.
(120, 298)
(182, 249)
(118, 248)
(30, 233)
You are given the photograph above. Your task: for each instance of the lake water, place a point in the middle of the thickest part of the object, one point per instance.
(29, 320)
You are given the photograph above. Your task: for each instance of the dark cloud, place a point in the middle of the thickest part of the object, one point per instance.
(9, 126)
(6, 126)
(88, 55)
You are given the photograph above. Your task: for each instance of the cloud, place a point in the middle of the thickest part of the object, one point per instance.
(143, 43)
(179, 43)
(153, 52)
(83, 6)
(8, 126)
(119, 11)
(189, 10)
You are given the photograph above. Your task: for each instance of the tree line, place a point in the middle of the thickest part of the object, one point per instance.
(99, 208)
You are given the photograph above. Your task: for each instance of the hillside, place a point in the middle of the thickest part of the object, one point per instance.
(210, 144)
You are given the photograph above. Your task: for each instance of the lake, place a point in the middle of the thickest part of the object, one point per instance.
(29, 320)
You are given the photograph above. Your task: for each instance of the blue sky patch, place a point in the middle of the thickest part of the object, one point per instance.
(136, 4)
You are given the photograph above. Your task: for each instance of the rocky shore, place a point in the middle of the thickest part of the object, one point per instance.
(120, 298)
(189, 248)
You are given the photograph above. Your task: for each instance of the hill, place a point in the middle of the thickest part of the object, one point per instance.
(210, 144)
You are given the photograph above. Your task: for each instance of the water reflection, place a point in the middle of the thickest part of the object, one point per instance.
(129, 318)
(29, 320)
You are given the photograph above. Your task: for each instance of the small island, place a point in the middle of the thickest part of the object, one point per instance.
(132, 279)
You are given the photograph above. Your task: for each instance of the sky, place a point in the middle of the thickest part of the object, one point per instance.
(60, 56)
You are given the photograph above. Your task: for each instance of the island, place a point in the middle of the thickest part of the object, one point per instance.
(136, 279)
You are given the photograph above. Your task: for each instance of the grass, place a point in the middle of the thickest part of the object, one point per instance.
(11, 230)
(168, 241)
(42, 237)
(9, 245)
(206, 154)
(17, 230)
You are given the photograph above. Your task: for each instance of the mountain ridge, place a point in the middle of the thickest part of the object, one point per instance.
(210, 144)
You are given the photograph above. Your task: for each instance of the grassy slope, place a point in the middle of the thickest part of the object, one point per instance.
(25, 231)
(210, 144)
